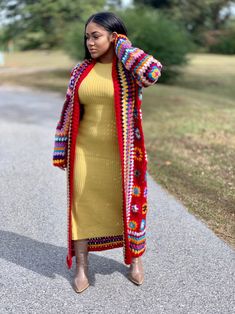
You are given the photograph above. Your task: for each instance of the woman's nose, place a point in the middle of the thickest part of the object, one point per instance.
(90, 42)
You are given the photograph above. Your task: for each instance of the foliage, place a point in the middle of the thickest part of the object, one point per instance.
(225, 44)
(159, 36)
(43, 23)
(74, 41)
(196, 16)
(154, 3)
(2, 39)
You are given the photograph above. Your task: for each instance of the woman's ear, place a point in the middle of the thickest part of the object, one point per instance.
(114, 35)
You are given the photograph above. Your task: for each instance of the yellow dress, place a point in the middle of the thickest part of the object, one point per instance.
(97, 196)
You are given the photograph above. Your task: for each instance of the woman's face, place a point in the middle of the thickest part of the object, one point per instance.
(99, 41)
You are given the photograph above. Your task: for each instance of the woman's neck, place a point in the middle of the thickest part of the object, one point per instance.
(108, 57)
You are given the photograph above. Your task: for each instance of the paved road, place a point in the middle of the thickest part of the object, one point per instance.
(188, 269)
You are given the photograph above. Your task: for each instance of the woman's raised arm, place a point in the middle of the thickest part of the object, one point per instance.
(144, 67)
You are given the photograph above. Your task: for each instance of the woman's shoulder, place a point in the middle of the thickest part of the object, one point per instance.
(80, 65)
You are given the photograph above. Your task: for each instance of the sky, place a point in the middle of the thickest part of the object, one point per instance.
(127, 2)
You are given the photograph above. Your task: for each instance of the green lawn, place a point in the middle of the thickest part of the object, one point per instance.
(190, 139)
(189, 131)
(37, 59)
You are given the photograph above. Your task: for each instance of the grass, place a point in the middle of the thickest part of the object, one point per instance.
(189, 131)
(190, 139)
(39, 69)
(37, 59)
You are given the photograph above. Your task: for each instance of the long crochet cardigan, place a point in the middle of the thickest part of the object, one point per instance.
(132, 69)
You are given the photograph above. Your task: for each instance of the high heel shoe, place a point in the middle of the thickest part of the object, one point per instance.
(81, 277)
(136, 271)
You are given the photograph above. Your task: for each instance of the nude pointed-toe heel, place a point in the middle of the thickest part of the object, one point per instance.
(81, 282)
(136, 271)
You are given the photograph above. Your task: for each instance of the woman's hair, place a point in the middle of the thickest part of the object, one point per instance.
(110, 21)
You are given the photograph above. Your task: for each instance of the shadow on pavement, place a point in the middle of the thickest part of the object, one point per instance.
(49, 260)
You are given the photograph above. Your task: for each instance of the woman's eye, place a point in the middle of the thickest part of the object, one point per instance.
(94, 37)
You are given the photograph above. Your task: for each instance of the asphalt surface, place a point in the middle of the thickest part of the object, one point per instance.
(188, 269)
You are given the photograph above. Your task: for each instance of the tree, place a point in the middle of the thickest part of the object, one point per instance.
(43, 23)
(155, 3)
(196, 16)
(202, 13)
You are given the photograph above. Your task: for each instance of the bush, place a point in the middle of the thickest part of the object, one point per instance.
(155, 33)
(74, 41)
(149, 30)
(225, 44)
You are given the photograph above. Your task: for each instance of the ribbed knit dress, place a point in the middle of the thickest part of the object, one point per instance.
(97, 193)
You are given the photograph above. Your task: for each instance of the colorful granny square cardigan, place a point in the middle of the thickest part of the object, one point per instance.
(132, 69)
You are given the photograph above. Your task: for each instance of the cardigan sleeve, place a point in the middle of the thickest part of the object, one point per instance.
(144, 67)
(62, 128)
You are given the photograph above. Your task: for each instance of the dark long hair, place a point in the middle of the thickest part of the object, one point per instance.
(110, 21)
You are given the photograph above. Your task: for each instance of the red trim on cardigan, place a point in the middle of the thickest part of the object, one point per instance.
(75, 127)
(118, 113)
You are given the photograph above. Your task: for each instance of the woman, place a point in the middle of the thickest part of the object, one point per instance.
(100, 141)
